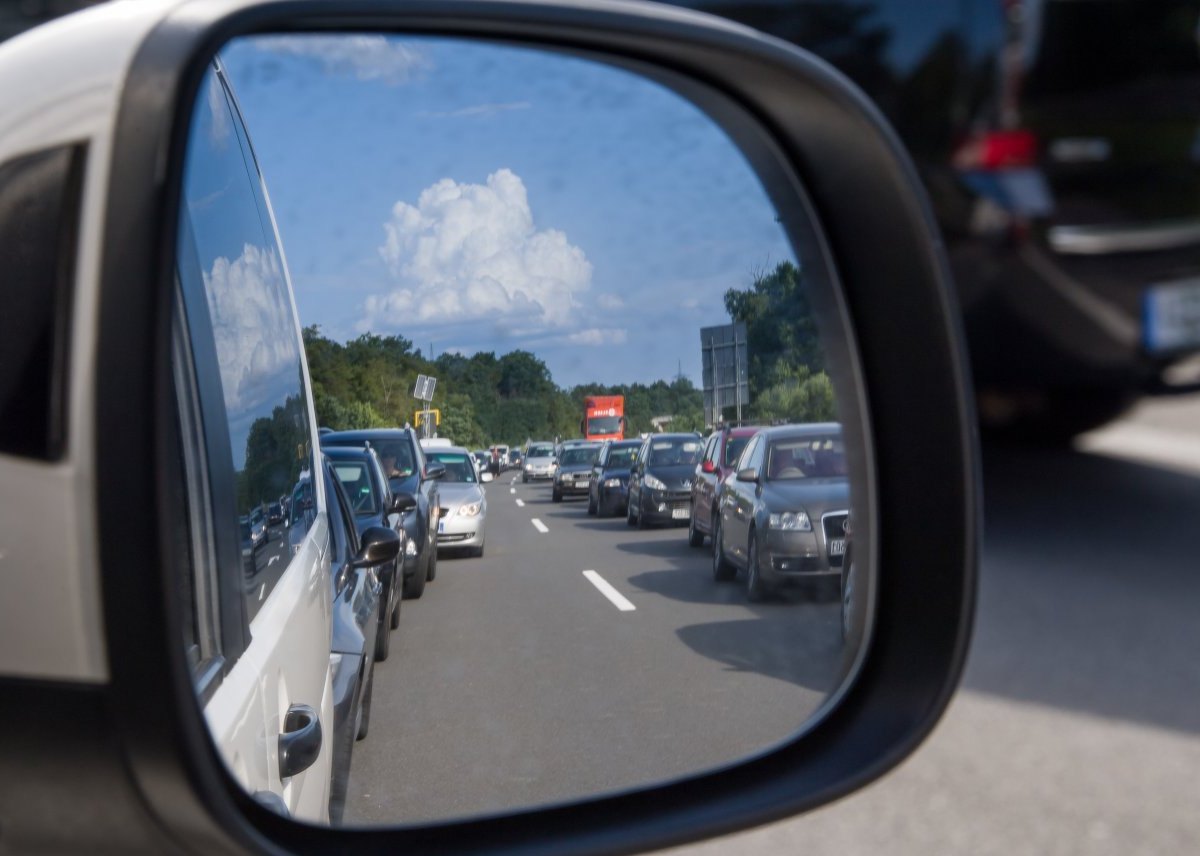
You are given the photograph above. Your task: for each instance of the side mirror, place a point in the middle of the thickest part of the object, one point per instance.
(708, 467)
(486, 477)
(435, 470)
(402, 502)
(748, 475)
(379, 545)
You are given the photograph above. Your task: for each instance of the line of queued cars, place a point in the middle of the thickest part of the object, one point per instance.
(772, 501)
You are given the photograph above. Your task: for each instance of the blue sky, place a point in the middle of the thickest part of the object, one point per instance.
(471, 196)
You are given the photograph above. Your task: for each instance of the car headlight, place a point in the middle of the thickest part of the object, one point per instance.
(528, 467)
(790, 520)
(470, 509)
(410, 548)
(654, 483)
(612, 482)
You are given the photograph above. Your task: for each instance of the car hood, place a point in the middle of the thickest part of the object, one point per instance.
(816, 496)
(454, 494)
(574, 468)
(538, 461)
(675, 478)
(621, 473)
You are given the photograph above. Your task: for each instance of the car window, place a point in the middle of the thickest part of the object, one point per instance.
(621, 456)
(233, 259)
(674, 452)
(356, 481)
(341, 533)
(458, 466)
(745, 460)
(733, 449)
(806, 457)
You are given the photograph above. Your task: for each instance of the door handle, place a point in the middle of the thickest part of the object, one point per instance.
(299, 740)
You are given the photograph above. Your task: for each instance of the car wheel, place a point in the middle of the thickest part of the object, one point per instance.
(395, 619)
(591, 504)
(556, 495)
(431, 565)
(641, 513)
(756, 589)
(524, 479)
(383, 635)
(414, 586)
(339, 784)
(695, 536)
(364, 709)
(723, 570)
(629, 518)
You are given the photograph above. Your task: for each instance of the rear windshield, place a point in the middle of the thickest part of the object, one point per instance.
(541, 451)
(621, 456)
(579, 455)
(674, 452)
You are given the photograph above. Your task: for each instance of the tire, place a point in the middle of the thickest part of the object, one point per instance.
(756, 589)
(591, 504)
(524, 479)
(695, 536)
(395, 618)
(722, 569)
(383, 637)
(556, 495)
(431, 565)
(414, 586)
(641, 516)
(339, 785)
(364, 710)
(629, 518)
(477, 552)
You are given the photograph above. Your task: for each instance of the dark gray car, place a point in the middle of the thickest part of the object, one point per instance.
(574, 470)
(782, 514)
(660, 482)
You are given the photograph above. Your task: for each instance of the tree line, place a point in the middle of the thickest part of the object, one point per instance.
(487, 398)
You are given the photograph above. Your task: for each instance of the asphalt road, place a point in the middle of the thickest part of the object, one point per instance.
(1077, 726)
(515, 681)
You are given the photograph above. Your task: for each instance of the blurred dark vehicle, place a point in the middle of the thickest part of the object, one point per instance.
(721, 451)
(782, 516)
(373, 504)
(608, 487)
(408, 471)
(1060, 143)
(660, 482)
(574, 470)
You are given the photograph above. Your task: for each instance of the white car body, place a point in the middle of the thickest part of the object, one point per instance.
(62, 83)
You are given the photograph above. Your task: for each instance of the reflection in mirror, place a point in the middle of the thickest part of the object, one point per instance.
(623, 527)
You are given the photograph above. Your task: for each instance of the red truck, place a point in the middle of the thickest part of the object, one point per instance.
(603, 417)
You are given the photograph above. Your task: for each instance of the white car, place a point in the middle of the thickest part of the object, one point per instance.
(463, 520)
(540, 462)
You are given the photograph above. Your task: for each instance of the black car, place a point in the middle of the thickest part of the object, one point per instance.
(608, 487)
(355, 565)
(574, 470)
(409, 472)
(373, 504)
(1058, 141)
(275, 513)
(782, 516)
(660, 482)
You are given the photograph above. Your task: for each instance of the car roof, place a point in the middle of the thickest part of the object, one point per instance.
(369, 434)
(803, 429)
(679, 435)
(347, 452)
(448, 449)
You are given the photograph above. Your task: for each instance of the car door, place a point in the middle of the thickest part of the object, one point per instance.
(636, 472)
(597, 472)
(703, 486)
(737, 506)
(261, 628)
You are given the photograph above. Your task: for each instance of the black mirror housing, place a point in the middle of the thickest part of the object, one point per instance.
(402, 502)
(378, 545)
(435, 470)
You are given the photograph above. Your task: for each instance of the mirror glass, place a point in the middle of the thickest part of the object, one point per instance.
(563, 283)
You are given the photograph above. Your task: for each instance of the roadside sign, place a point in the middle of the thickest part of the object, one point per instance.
(423, 389)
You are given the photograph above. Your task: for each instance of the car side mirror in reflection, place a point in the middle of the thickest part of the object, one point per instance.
(435, 470)
(486, 477)
(708, 467)
(748, 475)
(379, 545)
(402, 502)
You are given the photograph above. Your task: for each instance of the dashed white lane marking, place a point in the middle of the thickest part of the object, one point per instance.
(272, 561)
(512, 490)
(540, 526)
(262, 591)
(1147, 444)
(520, 503)
(618, 600)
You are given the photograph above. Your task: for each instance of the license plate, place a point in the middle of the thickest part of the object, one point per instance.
(837, 546)
(680, 513)
(1171, 316)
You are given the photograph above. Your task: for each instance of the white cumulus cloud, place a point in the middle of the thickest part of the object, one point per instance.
(472, 251)
(365, 57)
(598, 336)
(252, 319)
(610, 301)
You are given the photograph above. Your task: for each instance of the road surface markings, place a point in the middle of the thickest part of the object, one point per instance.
(262, 591)
(520, 503)
(272, 561)
(619, 600)
(1145, 443)
(540, 526)
(512, 490)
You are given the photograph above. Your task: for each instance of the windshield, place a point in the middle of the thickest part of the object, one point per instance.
(806, 457)
(546, 451)
(458, 466)
(357, 483)
(579, 455)
(674, 452)
(621, 457)
(604, 425)
(733, 449)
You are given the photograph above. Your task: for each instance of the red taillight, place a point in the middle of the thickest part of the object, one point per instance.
(997, 150)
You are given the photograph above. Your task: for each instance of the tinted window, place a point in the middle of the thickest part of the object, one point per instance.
(253, 329)
(39, 202)
(621, 456)
(356, 481)
(733, 449)
(806, 457)
(578, 455)
(458, 466)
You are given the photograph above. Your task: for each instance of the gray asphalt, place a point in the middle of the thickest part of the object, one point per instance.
(514, 682)
(1077, 726)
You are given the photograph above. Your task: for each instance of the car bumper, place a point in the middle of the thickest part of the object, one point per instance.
(462, 532)
(571, 488)
(612, 499)
(666, 507)
(796, 555)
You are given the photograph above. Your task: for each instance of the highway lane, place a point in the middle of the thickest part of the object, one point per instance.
(518, 680)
